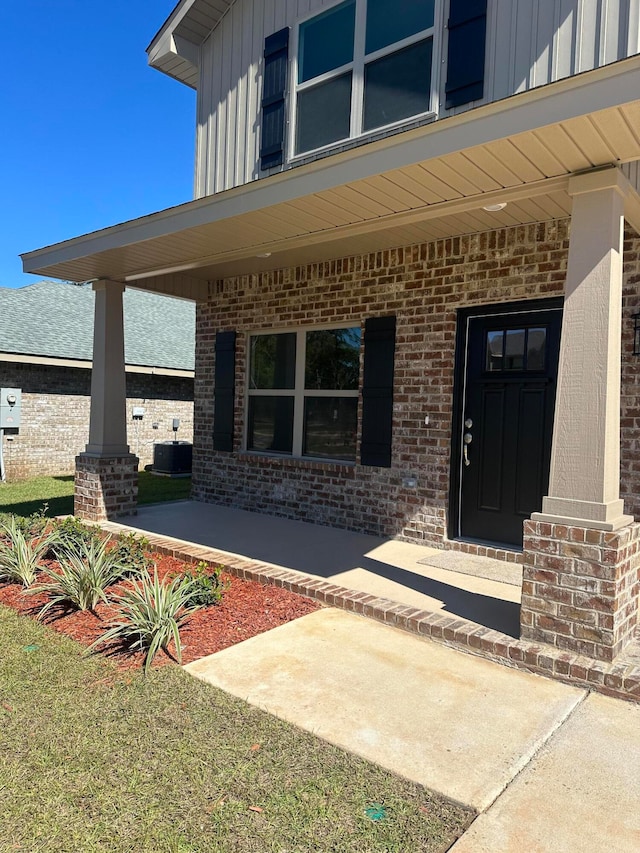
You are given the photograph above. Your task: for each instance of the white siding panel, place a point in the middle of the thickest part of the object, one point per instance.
(524, 30)
(530, 43)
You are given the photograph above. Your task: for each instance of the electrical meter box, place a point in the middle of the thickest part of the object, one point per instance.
(10, 407)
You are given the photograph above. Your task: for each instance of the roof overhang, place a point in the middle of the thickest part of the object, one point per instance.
(79, 363)
(416, 186)
(175, 49)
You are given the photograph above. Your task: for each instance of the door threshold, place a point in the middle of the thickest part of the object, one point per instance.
(481, 546)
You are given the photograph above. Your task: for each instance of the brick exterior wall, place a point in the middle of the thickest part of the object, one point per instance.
(422, 285)
(55, 416)
(630, 388)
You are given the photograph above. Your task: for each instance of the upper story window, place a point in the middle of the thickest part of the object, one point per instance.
(362, 65)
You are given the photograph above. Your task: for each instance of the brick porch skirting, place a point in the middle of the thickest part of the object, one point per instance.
(620, 678)
(105, 487)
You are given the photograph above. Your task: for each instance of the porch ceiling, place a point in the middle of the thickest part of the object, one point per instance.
(420, 185)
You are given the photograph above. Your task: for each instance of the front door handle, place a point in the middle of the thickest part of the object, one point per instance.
(467, 438)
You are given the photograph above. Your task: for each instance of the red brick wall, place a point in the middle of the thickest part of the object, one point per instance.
(422, 285)
(55, 416)
(630, 389)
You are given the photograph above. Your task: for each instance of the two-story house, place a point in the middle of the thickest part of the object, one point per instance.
(415, 295)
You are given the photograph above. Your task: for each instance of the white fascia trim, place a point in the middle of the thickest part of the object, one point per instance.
(176, 17)
(590, 92)
(50, 361)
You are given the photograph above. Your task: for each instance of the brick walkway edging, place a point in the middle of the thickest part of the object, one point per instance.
(619, 679)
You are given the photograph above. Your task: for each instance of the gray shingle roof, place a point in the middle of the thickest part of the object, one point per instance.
(55, 319)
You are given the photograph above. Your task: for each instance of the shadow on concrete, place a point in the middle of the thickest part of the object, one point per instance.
(316, 550)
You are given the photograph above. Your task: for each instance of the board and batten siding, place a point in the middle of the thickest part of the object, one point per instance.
(529, 43)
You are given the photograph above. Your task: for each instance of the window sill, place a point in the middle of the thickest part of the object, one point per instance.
(306, 463)
(348, 144)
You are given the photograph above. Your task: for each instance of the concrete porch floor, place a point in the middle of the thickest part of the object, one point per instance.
(476, 589)
(467, 602)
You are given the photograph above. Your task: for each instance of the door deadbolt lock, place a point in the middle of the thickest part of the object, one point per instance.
(468, 423)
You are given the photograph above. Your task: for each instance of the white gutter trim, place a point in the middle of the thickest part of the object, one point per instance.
(175, 17)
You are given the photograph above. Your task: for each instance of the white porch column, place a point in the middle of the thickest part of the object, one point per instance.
(106, 481)
(108, 420)
(584, 485)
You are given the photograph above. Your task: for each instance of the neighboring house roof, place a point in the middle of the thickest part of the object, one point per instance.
(54, 320)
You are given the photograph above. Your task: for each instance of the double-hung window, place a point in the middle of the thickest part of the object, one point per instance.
(303, 393)
(362, 65)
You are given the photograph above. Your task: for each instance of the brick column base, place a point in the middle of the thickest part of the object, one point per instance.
(580, 587)
(105, 487)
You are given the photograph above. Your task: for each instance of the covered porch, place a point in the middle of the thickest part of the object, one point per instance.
(568, 151)
(471, 603)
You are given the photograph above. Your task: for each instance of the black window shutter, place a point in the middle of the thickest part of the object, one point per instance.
(466, 54)
(377, 391)
(274, 92)
(224, 390)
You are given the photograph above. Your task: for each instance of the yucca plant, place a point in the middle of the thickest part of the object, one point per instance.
(21, 554)
(151, 615)
(84, 574)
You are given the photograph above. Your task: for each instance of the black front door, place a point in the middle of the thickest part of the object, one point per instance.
(505, 419)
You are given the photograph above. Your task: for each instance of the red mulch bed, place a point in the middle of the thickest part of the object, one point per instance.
(247, 608)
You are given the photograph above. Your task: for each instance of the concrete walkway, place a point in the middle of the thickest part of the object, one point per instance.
(550, 768)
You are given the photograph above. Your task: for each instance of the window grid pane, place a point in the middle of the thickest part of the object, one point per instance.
(390, 21)
(332, 359)
(398, 85)
(324, 114)
(330, 425)
(536, 349)
(273, 361)
(326, 41)
(270, 424)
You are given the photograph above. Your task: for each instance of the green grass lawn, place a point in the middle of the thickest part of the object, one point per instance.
(93, 760)
(24, 497)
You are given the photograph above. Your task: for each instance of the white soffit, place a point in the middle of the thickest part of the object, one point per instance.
(174, 50)
(418, 185)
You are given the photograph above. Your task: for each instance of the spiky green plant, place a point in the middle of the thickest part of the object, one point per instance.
(151, 615)
(20, 554)
(85, 572)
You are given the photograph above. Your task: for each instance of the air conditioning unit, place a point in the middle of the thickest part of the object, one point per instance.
(172, 458)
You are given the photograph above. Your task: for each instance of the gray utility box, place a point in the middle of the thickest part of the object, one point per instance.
(10, 407)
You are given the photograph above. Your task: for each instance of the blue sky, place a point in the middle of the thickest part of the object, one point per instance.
(89, 135)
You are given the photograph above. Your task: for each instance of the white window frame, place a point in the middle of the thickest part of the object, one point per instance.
(357, 67)
(298, 392)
